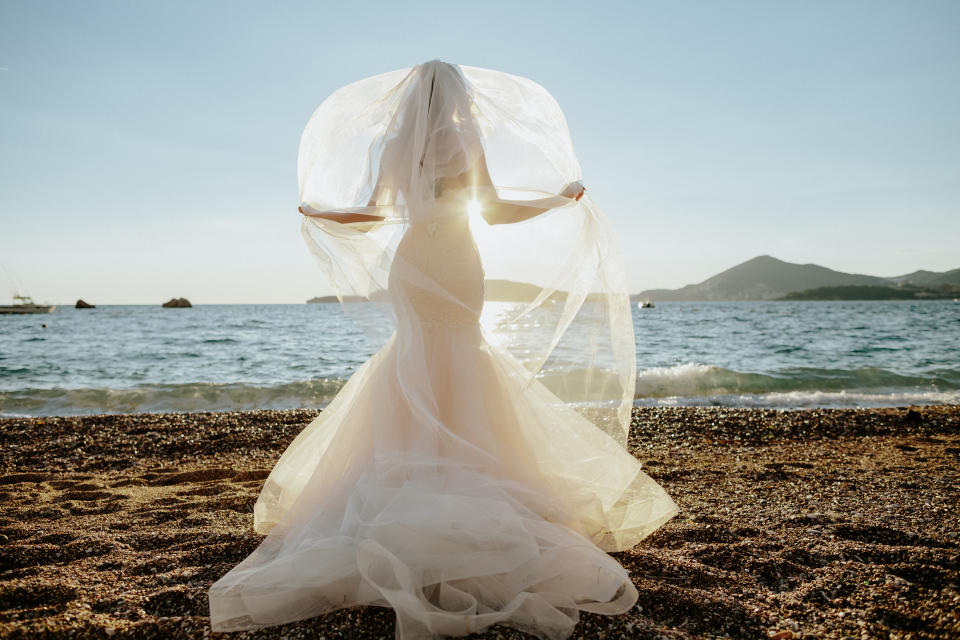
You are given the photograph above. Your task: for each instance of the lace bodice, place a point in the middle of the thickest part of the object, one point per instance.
(446, 285)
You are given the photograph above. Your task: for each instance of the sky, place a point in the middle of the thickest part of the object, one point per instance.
(148, 149)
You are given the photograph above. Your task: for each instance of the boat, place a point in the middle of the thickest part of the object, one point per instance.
(645, 304)
(25, 304)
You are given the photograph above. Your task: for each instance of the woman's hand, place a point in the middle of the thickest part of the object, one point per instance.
(573, 190)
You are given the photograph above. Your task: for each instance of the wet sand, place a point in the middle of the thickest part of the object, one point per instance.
(794, 524)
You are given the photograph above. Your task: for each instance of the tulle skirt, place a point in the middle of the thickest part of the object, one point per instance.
(445, 484)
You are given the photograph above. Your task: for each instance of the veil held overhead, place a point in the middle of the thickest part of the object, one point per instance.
(395, 145)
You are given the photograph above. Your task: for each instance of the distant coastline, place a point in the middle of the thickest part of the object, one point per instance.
(759, 279)
(768, 278)
(496, 289)
(943, 292)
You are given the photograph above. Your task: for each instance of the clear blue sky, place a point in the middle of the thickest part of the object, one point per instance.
(148, 149)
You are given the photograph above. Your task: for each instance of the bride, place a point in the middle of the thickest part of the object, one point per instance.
(474, 470)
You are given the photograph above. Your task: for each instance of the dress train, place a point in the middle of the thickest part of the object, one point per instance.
(461, 497)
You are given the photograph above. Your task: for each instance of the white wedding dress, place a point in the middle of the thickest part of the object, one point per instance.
(444, 480)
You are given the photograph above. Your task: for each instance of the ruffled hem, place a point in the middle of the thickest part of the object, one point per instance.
(494, 506)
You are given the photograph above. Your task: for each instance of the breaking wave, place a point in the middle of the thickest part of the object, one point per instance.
(169, 398)
(693, 384)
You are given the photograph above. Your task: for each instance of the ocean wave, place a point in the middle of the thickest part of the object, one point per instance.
(689, 384)
(695, 380)
(807, 400)
(169, 398)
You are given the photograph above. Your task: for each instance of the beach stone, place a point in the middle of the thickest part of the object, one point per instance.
(83, 304)
(177, 303)
(124, 521)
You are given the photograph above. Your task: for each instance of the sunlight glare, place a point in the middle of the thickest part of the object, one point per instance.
(474, 208)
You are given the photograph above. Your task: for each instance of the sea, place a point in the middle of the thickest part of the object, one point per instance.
(786, 355)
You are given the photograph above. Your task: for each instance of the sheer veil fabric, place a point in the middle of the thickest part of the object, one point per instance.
(474, 470)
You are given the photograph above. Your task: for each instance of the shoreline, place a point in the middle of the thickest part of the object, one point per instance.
(808, 523)
(315, 395)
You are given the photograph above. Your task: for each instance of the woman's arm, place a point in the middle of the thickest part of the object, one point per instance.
(338, 216)
(511, 211)
(498, 211)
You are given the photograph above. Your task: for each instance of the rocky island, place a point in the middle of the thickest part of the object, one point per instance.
(177, 303)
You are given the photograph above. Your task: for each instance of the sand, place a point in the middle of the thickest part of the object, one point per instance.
(794, 524)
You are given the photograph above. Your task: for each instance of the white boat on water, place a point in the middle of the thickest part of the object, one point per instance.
(25, 304)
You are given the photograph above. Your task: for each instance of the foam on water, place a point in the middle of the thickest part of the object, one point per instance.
(204, 396)
(806, 400)
(692, 379)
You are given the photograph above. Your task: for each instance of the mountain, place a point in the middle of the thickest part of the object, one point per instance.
(947, 277)
(766, 278)
(924, 278)
(920, 277)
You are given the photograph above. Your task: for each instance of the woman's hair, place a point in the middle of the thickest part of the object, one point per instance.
(432, 136)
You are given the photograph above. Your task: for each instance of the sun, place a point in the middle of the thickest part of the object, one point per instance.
(474, 208)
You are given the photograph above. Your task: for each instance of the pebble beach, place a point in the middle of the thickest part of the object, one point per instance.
(829, 523)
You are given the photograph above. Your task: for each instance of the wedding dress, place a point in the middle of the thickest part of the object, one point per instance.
(474, 470)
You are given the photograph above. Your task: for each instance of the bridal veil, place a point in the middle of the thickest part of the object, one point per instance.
(474, 470)
(556, 294)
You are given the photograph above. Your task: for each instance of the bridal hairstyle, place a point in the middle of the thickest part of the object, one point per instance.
(388, 146)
